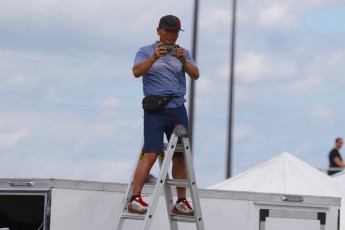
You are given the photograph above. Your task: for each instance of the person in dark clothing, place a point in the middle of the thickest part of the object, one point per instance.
(335, 160)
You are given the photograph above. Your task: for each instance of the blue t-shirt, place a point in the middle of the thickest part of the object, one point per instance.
(166, 77)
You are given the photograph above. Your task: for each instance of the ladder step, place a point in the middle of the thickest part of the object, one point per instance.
(177, 182)
(171, 182)
(188, 219)
(133, 216)
(179, 147)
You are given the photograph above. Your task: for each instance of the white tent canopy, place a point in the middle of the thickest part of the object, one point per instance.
(283, 174)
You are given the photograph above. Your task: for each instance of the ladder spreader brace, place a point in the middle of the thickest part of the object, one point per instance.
(163, 181)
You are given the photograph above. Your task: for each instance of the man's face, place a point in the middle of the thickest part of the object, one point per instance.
(339, 144)
(167, 35)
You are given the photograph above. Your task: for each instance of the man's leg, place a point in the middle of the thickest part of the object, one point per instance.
(153, 144)
(182, 206)
(136, 204)
(142, 171)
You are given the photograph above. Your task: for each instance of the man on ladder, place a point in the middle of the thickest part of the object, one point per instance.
(162, 66)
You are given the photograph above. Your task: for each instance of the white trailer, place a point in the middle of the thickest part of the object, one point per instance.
(54, 204)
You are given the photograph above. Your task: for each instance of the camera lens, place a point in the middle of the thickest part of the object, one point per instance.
(169, 50)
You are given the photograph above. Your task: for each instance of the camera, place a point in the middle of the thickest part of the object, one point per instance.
(171, 49)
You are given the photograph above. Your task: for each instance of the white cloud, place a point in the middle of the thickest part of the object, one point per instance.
(13, 137)
(252, 68)
(304, 85)
(110, 103)
(208, 92)
(279, 14)
(256, 67)
(215, 18)
(103, 170)
(5, 64)
(328, 64)
(114, 170)
(321, 113)
(39, 14)
(303, 148)
(309, 4)
(243, 95)
(243, 132)
(276, 15)
(22, 81)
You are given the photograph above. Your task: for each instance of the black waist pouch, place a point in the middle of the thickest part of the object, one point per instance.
(155, 104)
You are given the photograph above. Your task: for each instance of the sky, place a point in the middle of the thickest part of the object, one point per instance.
(70, 107)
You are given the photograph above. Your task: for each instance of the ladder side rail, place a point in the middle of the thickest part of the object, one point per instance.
(160, 180)
(169, 201)
(193, 184)
(128, 193)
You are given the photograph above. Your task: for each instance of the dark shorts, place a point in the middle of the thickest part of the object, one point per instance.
(156, 124)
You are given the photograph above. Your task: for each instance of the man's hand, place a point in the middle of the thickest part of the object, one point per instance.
(181, 55)
(159, 52)
(190, 69)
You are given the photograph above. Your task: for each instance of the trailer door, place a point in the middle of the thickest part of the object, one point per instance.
(24, 210)
(272, 219)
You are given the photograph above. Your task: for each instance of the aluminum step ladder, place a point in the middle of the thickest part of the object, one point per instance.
(163, 181)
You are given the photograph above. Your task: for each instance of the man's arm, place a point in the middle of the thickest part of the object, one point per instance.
(143, 67)
(191, 70)
(338, 162)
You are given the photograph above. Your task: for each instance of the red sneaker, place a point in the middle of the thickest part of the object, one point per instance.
(183, 208)
(138, 206)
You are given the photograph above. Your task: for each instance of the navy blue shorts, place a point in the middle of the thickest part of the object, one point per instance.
(156, 124)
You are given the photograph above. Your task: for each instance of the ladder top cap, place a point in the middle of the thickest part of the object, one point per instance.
(181, 131)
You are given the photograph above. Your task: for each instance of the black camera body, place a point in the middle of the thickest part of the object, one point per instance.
(171, 49)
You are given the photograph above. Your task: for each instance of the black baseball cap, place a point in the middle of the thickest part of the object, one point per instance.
(170, 21)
